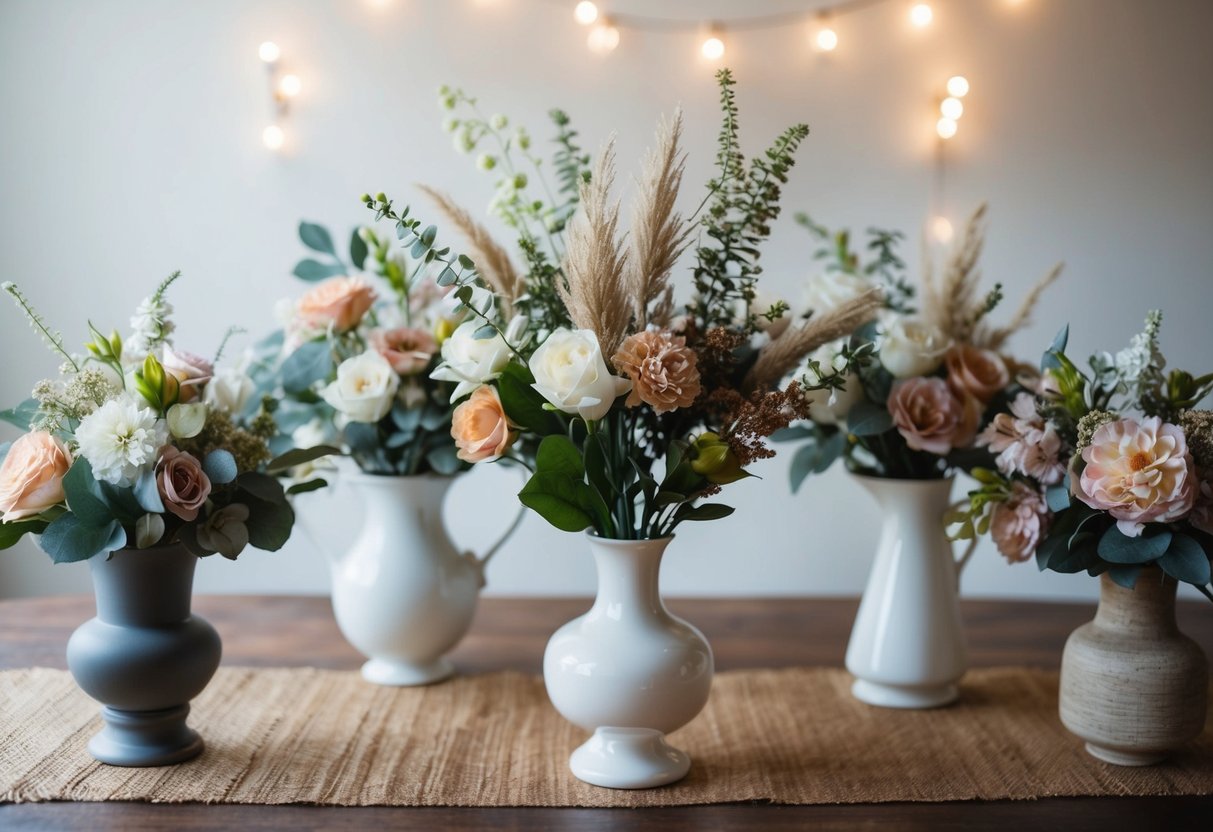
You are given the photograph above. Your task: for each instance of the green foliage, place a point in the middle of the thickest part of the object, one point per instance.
(743, 204)
(21, 415)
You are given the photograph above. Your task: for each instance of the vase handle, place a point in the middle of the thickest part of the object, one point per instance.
(483, 560)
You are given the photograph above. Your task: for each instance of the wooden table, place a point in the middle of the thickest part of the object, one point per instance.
(278, 631)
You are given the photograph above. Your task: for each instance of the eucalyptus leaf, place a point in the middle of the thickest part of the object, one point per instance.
(84, 497)
(1186, 561)
(305, 487)
(1123, 575)
(317, 238)
(1116, 547)
(444, 459)
(21, 415)
(358, 249)
(269, 524)
(307, 365)
(313, 270)
(261, 486)
(302, 456)
(149, 529)
(10, 533)
(869, 419)
(69, 539)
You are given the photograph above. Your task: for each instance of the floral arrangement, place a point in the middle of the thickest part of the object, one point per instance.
(603, 371)
(137, 443)
(1105, 471)
(355, 361)
(906, 396)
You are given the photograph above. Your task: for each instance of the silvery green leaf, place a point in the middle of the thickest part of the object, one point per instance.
(185, 421)
(148, 530)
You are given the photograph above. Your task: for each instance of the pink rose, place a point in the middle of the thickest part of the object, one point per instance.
(192, 371)
(1018, 524)
(31, 478)
(1138, 472)
(976, 372)
(182, 483)
(930, 417)
(1024, 442)
(340, 302)
(407, 349)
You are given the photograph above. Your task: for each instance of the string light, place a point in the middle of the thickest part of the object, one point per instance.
(941, 229)
(585, 13)
(712, 48)
(826, 39)
(946, 127)
(290, 85)
(921, 15)
(273, 137)
(951, 108)
(958, 86)
(603, 38)
(269, 52)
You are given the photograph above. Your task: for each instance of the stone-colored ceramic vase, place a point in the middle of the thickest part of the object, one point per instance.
(629, 671)
(1132, 685)
(144, 656)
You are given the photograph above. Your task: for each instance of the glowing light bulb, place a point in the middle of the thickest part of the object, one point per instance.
(713, 48)
(941, 229)
(273, 137)
(290, 85)
(946, 127)
(269, 52)
(921, 15)
(951, 108)
(826, 39)
(603, 38)
(958, 86)
(585, 13)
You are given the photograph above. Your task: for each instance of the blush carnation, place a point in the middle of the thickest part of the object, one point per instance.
(1138, 472)
(930, 417)
(1018, 524)
(407, 349)
(662, 369)
(1024, 442)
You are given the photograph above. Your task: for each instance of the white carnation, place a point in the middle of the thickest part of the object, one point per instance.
(121, 439)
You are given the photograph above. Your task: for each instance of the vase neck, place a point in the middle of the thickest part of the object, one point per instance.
(929, 498)
(144, 587)
(628, 576)
(425, 492)
(1147, 610)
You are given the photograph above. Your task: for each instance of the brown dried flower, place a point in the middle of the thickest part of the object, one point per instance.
(662, 369)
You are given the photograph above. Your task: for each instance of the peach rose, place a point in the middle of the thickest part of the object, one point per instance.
(976, 372)
(1138, 472)
(930, 417)
(182, 483)
(339, 302)
(1018, 524)
(407, 349)
(192, 371)
(31, 478)
(480, 427)
(662, 369)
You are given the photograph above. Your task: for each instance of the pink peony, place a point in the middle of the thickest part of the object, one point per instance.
(1138, 472)
(931, 417)
(1018, 524)
(1024, 442)
(407, 349)
(183, 485)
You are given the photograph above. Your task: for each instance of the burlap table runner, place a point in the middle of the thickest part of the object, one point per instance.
(787, 736)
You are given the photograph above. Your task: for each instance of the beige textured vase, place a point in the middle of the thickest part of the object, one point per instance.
(1132, 685)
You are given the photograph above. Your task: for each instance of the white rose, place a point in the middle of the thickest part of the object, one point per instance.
(229, 390)
(570, 373)
(830, 289)
(910, 347)
(365, 388)
(470, 361)
(829, 407)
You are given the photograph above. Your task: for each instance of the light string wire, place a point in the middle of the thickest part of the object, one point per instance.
(774, 20)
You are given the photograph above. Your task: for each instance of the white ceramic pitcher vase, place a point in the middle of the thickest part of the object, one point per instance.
(402, 594)
(907, 647)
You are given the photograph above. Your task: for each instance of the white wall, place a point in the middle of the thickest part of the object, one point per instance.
(131, 146)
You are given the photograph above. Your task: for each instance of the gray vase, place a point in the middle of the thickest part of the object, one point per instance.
(144, 656)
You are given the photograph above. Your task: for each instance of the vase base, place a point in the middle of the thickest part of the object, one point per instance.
(1125, 758)
(628, 758)
(145, 738)
(904, 696)
(406, 674)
